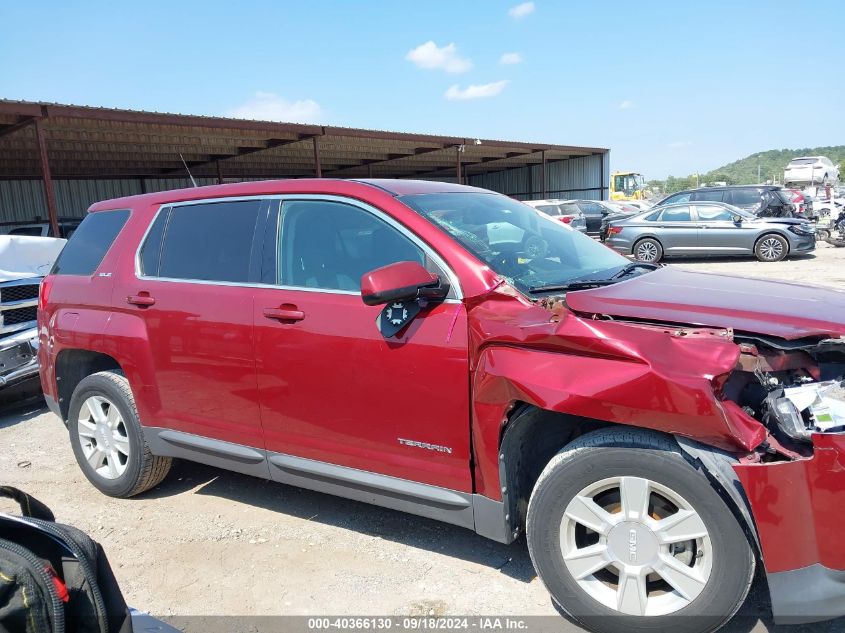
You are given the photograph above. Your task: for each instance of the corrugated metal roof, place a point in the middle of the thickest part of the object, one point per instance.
(99, 153)
(89, 142)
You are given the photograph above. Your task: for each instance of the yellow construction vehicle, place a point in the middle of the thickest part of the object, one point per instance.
(628, 185)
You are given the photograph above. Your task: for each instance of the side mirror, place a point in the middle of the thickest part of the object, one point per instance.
(401, 281)
(737, 218)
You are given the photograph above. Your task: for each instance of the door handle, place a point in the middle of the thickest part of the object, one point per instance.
(286, 312)
(142, 300)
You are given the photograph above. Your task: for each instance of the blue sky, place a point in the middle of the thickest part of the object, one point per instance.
(670, 87)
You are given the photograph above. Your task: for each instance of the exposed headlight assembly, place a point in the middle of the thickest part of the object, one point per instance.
(802, 229)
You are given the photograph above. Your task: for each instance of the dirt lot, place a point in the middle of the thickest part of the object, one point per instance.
(209, 542)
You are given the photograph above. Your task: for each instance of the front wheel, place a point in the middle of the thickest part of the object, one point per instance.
(628, 537)
(771, 248)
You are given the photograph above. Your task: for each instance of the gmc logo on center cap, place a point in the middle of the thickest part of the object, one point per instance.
(632, 545)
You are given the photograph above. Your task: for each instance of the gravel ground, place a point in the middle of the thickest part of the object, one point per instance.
(208, 542)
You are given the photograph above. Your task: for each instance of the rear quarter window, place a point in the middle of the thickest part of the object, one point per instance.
(90, 242)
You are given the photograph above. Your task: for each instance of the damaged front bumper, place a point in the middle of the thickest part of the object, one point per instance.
(799, 511)
(18, 358)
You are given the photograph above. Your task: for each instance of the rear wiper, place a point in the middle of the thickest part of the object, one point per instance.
(573, 285)
(629, 268)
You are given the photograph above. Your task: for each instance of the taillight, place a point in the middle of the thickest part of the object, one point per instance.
(44, 292)
(566, 219)
(614, 230)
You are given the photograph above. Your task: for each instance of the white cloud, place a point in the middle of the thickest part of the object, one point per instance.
(521, 10)
(625, 105)
(510, 58)
(432, 57)
(456, 93)
(678, 144)
(268, 106)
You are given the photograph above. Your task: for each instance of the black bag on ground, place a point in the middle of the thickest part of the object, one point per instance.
(53, 577)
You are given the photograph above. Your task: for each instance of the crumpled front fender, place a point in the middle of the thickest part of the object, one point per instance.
(651, 377)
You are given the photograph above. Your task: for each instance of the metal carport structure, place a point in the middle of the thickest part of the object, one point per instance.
(57, 159)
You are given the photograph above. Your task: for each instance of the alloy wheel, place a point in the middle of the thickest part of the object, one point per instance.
(103, 437)
(647, 252)
(636, 546)
(771, 249)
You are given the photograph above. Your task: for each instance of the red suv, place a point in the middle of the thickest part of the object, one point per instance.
(655, 433)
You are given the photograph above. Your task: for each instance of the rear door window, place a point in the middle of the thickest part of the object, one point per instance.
(90, 243)
(745, 197)
(678, 197)
(708, 196)
(208, 241)
(591, 208)
(676, 214)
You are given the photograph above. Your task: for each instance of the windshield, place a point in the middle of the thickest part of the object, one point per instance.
(801, 161)
(514, 240)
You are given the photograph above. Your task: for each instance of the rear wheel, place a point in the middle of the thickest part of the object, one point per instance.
(628, 537)
(107, 438)
(771, 248)
(648, 250)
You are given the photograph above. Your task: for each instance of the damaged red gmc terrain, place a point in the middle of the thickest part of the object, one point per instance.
(447, 351)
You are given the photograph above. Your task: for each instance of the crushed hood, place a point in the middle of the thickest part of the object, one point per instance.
(672, 295)
(22, 256)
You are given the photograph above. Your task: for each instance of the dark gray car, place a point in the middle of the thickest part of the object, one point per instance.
(709, 229)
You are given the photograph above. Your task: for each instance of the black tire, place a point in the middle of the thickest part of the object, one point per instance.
(617, 452)
(143, 469)
(766, 249)
(648, 245)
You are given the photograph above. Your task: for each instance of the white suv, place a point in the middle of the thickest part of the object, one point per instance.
(810, 169)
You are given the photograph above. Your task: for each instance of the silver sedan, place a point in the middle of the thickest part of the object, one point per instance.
(708, 229)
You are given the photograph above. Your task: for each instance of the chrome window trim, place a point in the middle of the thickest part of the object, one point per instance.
(428, 250)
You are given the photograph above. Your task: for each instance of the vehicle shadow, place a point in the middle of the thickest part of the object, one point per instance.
(418, 532)
(18, 410)
(735, 260)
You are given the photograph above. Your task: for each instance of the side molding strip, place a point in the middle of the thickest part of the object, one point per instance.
(205, 450)
(224, 449)
(475, 512)
(370, 481)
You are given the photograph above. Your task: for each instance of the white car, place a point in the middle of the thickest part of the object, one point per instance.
(810, 169)
(562, 210)
(640, 204)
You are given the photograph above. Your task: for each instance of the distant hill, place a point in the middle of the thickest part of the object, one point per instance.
(771, 162)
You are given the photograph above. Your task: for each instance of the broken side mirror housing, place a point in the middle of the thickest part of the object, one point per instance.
(401, 281)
